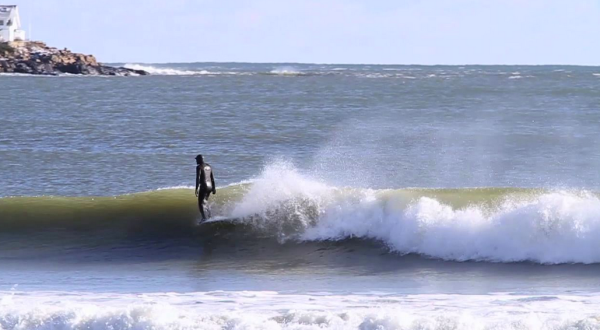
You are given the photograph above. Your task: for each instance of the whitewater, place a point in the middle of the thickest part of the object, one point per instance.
(271, 310)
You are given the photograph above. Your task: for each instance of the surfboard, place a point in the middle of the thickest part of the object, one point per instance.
(217, 219)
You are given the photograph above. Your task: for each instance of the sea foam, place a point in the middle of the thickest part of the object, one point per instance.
(272, 310)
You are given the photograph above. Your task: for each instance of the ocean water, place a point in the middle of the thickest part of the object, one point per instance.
(362, 197)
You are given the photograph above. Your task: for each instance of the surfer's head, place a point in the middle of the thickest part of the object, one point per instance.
(199, 159)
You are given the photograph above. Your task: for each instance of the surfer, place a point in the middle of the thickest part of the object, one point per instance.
(205, 184)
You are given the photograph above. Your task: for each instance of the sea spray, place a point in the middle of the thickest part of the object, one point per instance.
(283, 200)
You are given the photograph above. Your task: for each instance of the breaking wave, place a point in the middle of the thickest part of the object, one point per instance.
(271, 310)
(165, 71)
(468, 224)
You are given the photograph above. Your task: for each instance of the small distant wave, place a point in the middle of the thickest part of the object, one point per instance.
(375, 75)
(287, 71)
(11, 74)
(175, 187)
(521, 77)
(168, 71)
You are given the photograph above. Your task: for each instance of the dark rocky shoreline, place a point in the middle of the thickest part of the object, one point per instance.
(31, 57)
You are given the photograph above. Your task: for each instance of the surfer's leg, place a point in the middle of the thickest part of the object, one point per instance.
(206, 208)
(201, 205)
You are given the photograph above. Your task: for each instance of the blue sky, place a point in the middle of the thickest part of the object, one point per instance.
(322, 31)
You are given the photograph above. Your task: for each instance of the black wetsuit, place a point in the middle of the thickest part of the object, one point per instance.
(205, 184)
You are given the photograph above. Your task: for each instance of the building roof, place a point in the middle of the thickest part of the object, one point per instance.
(5, 11)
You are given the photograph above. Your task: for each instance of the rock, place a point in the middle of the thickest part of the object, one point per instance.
(6, 66)
(69, 68)
(139, 72)
(22, 67)
(37, 58)
(42, 68)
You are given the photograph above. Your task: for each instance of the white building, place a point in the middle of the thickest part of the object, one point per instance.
(10, 24)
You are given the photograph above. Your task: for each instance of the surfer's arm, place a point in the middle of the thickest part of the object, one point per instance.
(197, 179)
(212, 179)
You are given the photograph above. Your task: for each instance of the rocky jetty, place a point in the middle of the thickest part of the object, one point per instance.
(32, 57)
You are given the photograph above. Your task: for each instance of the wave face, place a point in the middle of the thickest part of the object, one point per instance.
(468, 224)
(270, 310)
